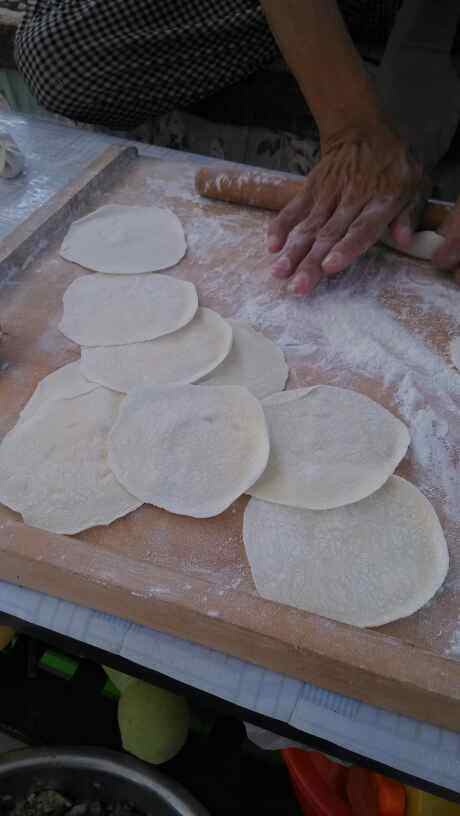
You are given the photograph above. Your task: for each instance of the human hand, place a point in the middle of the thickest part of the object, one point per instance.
(448, 255)
(364, 183)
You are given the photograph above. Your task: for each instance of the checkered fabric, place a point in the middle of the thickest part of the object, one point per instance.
(117, 63)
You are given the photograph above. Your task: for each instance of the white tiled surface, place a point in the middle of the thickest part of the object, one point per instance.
(417, 748)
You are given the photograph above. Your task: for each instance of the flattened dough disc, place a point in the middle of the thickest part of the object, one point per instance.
(180, 357)
(367, 564)
(54, 469)
(254, 362)
(104, 311)
(64, 383)
(190, 449)
(122, 240)
(328, 447)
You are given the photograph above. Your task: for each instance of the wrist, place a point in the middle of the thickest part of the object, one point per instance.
(366, 115)
(373, 129)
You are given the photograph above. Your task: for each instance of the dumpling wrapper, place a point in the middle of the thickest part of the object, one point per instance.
(367, 564)
(328, 447)
(108, 311)
(54, 468)
(64, 383)
(254, 361)
(189, 449)
(122, 240)
(180, 357)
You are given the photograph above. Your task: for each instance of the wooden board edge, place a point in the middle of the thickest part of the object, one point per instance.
(426, 687)
(19, 247)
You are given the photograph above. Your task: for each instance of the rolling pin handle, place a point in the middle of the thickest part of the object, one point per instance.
(271, 191)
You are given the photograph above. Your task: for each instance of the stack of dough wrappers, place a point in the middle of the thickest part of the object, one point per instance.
(171, 404)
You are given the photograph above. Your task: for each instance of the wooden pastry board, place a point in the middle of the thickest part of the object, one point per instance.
(191, 577)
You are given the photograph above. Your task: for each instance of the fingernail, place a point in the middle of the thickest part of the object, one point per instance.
(406, 232)
(331, 261)
(282, 268)
(405, 235)
(298, 287)
(273, 244)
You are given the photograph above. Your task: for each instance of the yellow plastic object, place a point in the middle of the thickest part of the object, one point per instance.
(153, 723)
(425, 804)
(6, 636)
(120, 680)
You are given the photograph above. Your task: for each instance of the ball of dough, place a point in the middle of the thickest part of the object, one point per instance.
(424, 244)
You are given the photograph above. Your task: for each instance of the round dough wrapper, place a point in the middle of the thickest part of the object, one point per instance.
(455, 352)
(104, 311)
(64, 383)
(122, 240)
(181, 357)
(190, 449)
(329, 447)
(367, 564)
(423, 246)
(254, 362)
(54, 469)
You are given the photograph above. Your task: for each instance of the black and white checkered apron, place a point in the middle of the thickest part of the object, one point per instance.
(118, 63)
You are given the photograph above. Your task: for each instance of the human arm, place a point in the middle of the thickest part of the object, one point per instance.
(366, 176)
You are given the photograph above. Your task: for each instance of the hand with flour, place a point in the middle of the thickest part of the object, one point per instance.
(367, 180)
(364, 183)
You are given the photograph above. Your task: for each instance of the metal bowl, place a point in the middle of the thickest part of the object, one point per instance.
(92, 774)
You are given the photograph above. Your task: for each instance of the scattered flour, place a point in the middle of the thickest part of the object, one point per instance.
(455, 351)
(353, 332)
(386, 325)
(454, 645)
(347, 329)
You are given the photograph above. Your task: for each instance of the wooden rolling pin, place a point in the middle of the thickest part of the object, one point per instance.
(270, 191)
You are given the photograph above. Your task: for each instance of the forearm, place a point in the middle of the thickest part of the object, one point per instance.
(319, 51)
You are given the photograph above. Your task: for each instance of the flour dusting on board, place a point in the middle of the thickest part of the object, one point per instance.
(350, 328)
(385, 324)
(355, 332)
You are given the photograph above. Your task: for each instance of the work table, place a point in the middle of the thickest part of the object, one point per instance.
(55, 154)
